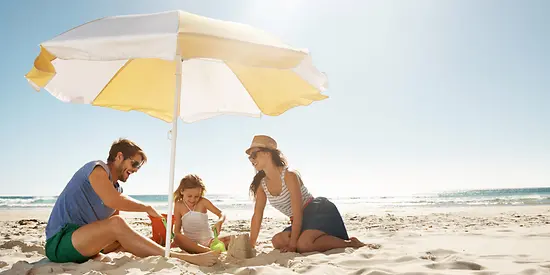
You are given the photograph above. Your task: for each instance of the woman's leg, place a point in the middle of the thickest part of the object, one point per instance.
(316, 240)
(280, 239)
(189, 245)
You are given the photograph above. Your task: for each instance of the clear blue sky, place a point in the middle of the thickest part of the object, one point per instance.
(424, 95)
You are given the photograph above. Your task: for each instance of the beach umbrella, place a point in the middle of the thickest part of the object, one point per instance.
(176, 64)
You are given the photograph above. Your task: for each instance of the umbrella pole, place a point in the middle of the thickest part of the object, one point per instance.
(177, 96)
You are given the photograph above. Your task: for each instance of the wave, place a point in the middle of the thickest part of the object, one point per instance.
(533, 196)
(26, 201)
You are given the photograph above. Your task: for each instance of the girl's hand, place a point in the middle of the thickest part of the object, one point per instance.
(218, 226)
(222, 218)
(219, 223)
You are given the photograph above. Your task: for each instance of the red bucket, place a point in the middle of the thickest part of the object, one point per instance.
(159, 231)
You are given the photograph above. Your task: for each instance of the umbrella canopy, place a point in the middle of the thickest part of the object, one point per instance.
(129, 63)
(174, 64)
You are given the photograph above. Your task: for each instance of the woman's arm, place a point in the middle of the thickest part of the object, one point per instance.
(256, 221)
(293, 185)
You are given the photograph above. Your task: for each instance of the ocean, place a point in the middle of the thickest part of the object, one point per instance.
(487, 197)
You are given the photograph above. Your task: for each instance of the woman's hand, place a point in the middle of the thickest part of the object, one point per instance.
(291, 247)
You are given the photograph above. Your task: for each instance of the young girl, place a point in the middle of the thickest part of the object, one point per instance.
(190, 208)
(316, 222)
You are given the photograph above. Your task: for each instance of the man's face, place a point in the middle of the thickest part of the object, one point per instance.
(129, 166)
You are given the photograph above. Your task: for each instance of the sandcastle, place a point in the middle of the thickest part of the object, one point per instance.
(239, 247)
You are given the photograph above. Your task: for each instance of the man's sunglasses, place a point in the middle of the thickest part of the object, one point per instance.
(135, 164)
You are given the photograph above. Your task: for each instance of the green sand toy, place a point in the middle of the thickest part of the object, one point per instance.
(216, 243)
(166, 226)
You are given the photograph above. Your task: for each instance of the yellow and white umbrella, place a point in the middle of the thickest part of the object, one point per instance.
(174, 64)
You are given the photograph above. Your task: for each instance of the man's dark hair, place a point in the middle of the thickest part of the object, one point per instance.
(127, 148)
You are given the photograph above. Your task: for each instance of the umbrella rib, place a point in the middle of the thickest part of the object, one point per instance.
(89, 22)
(248, 42)
(303, 53)
(240, 81)
(113, 78)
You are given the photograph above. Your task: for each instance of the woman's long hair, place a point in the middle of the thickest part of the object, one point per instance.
(278, 159)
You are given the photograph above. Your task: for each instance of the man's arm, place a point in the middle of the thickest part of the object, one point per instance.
(99, 179)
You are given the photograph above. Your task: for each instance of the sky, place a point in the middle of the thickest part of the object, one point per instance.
(423, 96)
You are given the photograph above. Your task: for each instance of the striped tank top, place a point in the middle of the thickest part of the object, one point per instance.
(282, 201)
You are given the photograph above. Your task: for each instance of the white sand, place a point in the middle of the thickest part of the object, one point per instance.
(481, 240)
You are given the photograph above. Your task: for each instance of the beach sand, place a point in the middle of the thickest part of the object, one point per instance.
(469, 240)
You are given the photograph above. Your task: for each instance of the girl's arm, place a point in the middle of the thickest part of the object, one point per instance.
(256, 221)
(212, 208)
(177, 218)
(216, 211)
(293, 186)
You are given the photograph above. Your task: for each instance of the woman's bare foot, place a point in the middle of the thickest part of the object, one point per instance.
(355, 243)
(202, 259)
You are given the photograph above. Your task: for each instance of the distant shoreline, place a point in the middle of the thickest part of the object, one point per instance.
(243, 203)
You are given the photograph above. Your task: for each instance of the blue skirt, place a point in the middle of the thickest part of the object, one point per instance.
(321, 214)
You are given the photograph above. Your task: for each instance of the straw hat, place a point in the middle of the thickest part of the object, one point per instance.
(262, 141)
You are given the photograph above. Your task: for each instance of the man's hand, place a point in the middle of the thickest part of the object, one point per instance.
(153, 212)
(291, 247)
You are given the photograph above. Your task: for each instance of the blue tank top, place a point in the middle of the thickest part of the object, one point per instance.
(78, 203)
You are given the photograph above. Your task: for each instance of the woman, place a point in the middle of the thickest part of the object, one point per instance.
(316, 222)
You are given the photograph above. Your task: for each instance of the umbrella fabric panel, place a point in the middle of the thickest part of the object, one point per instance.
(156, 36)
(145, 85)
(209, 89)
(78, 81)
(119, 37)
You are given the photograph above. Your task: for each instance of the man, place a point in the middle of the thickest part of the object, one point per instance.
(84, 221)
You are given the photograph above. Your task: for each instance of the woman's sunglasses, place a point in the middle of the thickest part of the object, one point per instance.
(254, 154)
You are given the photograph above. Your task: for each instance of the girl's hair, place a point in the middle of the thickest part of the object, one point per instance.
(189, 182)
(278, 159)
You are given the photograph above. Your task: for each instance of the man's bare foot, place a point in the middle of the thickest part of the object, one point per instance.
(100, 257)
(373, 246)
(202, 259)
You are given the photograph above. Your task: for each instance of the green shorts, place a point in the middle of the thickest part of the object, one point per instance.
(60, 249)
